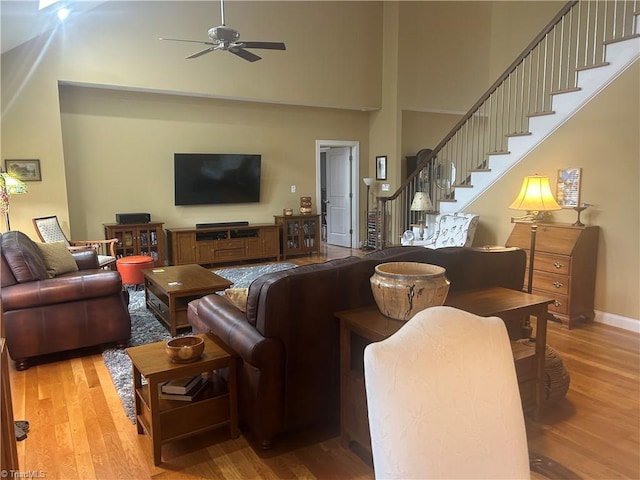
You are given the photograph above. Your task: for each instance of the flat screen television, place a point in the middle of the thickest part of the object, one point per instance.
(216, 178)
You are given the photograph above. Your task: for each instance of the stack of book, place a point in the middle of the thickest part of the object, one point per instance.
(186, 388)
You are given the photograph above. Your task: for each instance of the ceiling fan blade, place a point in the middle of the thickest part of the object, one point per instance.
(241, 52)
(190, 41)
(265, 45)
(200, 53)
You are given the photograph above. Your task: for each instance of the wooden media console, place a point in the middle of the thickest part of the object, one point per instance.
(223, 244)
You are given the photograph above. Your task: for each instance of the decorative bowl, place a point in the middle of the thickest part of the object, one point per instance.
(185, 349)
(402, 289)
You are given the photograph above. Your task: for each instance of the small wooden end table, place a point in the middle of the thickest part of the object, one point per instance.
(168, 291)
(168, 420)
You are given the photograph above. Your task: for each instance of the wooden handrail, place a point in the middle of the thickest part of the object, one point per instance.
(543, 33)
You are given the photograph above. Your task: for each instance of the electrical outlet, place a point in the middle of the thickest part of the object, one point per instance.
(293, 189)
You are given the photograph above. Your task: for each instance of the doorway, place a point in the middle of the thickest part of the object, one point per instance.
(337, 174)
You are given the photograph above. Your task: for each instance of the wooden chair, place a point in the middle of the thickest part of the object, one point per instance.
(49, 231)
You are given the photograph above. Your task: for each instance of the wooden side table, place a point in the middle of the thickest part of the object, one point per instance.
(361, 326)
(168, 420)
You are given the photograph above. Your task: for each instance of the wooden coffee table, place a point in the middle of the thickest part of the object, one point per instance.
(168, 291)
(168, 420)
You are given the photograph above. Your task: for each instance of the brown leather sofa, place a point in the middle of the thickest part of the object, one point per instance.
(44, 315)
(288, 342)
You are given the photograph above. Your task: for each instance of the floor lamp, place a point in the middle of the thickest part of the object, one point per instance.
(9, 185)
(536, 198)
(368, 181)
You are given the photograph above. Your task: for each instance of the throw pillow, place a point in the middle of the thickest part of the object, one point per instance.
(57, 258)
(23, 257)
(238, 297)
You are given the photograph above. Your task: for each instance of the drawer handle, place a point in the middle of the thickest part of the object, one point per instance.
(558, 265)
(556, 303)
(557, 284)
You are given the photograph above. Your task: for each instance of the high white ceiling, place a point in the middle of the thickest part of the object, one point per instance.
(21, 20)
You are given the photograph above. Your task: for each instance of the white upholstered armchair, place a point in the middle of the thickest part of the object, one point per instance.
(443, 400)
(451, 230)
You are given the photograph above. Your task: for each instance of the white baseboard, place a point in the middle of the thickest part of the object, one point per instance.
(626, 323)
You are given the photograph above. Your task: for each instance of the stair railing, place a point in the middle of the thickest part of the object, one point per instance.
(574, 40)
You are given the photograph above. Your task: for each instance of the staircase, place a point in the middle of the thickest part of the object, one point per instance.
(586, 46)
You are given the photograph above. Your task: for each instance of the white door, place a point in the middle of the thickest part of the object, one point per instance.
(339, 196)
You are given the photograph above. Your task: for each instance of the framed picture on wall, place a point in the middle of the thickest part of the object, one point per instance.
(25, 170)
(568, 187)
(381, 167)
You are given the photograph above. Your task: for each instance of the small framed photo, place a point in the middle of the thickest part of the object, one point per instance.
(381, 167)
(568, 187)
(25, 170)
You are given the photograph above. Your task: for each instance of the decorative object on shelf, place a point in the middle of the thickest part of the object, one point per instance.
(24, 170)
(381, 167)
(568, 187)
(368, 181)
(305, 205)
(421, 203)
(9, 185)
(287, 212)
(402, 289)
(580, 209)
(535, 197)
(185, 349)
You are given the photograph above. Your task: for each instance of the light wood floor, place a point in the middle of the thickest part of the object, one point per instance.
(79, 430)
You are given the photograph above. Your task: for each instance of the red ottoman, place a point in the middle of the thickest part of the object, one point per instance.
(130, 268)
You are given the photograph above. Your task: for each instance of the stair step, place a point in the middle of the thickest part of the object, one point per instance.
(566, 90)
(593, 65)
(462, 185)
(480, 170)
(621, 39)
(540, 114)
(501, 152)
(517, 134)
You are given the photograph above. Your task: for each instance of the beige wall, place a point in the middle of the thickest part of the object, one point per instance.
(119, 150)
(603, 140)
(447, 54)
(332, 61)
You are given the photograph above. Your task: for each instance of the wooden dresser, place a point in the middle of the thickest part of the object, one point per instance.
(564, 266)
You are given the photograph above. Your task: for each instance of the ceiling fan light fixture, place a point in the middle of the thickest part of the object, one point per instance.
(227, 39)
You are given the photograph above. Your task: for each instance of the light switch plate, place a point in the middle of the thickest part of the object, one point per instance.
(385, 187)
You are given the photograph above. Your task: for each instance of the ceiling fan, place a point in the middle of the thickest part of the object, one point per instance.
(227, 39)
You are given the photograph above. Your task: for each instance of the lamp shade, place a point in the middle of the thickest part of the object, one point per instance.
(535, 196)
(368, 181)
(421, 202)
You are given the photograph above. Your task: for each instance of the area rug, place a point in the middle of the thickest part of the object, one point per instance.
(145, 328)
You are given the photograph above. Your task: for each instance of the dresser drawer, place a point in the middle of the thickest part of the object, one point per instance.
(229, 254)
(552, 263)
(229, 244)
(560, 305)
(548, 282)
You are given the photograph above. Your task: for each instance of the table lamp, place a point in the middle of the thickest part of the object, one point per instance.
(368, 181)
(9, 185)
(421, 203)
(536, 198)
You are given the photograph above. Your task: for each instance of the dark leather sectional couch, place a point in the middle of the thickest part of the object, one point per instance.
(288, 342)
